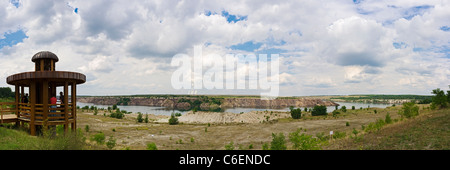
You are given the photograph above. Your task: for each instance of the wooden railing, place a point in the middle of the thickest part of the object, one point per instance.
(23, 112)
(53, 114)
(6, 107)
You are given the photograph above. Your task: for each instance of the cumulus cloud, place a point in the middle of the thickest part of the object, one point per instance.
(325, 47)
(357, 41)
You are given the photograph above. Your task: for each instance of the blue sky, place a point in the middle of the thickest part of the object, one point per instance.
(12, 38)
(325, 47)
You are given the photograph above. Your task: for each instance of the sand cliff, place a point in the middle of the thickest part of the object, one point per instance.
(225, 103)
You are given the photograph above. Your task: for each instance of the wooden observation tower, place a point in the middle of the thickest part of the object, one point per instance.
(42, 84)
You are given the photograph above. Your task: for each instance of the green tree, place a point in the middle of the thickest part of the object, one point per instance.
(173, 120)
(278, 142)
(409, 110)
(296, 113)
(146, 118)
(439, 100)
(118, 114)
(344, 109)
(139, 117)
(6, 92)
(448, 95)
(114, 107)
(319, 110)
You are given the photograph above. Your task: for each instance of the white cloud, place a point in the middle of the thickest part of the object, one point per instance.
(327, 47)
(357, 41)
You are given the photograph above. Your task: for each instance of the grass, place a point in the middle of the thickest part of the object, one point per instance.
(425, 133)
(14, 139)
(428, 131)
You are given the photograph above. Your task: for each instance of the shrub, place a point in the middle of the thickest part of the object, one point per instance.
(118, 114)
(86, 128)
(388, 119)
(344, 109)
(347, 124)
(151, 146)
(99, 138)
(296, 113)
(304, 141)
(278, 142)
(177, 114)
(335, 113)
(375, 125)
(319, 110)
(321, 136)
(338, 135)
(173, 120)
(265, 146)
(355, 132)
(111, 142)
(409, 110)
(229, 146)
(353, 107)
(379, 123)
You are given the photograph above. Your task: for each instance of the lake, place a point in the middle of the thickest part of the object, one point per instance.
(164, 111)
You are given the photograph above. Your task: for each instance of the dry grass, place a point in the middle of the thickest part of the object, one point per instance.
(428, 131)
(133, 135)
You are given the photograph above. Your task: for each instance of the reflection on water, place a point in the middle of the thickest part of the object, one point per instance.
(164, 111)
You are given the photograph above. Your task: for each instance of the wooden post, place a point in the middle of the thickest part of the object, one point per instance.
(45, 101)
(66, 106)
(32, 91)
(42, 65)
(17, 103)
(74, 105)
(52, 65)
(22, 92)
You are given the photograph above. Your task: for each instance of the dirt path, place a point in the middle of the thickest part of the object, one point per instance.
(252, 128)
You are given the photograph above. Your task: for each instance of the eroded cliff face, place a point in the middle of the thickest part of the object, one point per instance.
(226, 103)
(248, 102)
